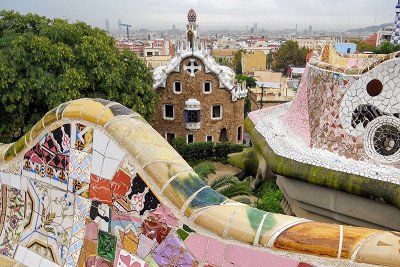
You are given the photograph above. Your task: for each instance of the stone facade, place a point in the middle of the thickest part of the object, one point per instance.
(193, 88)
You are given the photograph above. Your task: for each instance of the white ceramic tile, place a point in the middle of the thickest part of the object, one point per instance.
(29, 174)
(48, 263)
(24, 183)
(5, 178)
(20, 254)
(97, 163)
(73, 134)
(110, 166)
(32, 259)
(58, 184)
(114, 152)
(100, 141)
(15, 181)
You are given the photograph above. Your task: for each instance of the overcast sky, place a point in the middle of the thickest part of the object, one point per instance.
(216, 14)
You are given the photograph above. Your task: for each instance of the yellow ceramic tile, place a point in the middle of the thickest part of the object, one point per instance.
(216, 219)
(274, 223)
(352, 237)
(37, 129)
(10, 153)
(162, 172)
(49, 118)
(382, 249)
(73, 110)
(240, 228)
(176, 198)
(91, 111)
(9, 262)
(311, 238)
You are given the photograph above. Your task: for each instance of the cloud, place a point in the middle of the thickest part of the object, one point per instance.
(216, 14)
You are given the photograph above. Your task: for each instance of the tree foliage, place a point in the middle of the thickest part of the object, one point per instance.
(45, 62)
(250, 81)
(386, 48)
(363, 46)
(290, 54)
(237, 62)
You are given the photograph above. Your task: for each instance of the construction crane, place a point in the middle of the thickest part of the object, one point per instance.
(127, 28)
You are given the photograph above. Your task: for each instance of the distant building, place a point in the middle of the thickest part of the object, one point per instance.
(384, 35)
(311, 43)
(107, 26)
(372, 39)
(253, 60)
(272, 89)
(198, 99)
(224, 54)
(157, 61)
(346, 48)
(137, 48)
(396, 28)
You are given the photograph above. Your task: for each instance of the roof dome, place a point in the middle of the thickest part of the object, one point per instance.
(192, 16)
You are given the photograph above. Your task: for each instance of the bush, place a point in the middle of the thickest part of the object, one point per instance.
(204, 169)
(202, 151)
(199, 151)
(179, 144)
(270, 197)
(222, 150)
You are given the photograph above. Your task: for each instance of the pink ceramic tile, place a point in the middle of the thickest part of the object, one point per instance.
(197, 245)
(215, 252)
(241, 256)
(297, 117)
(91, 231)
(145, 246)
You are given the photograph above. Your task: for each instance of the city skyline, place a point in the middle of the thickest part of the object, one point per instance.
(218, 15)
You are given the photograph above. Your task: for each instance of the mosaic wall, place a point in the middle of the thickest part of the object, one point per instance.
(77, 200)
(92, 184)
(356, 116)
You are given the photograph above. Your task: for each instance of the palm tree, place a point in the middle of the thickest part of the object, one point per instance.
(229, 186)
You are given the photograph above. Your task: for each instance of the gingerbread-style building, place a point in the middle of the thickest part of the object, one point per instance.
(198, 99)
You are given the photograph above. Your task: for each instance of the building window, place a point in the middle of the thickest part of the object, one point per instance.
(348, 50)
(216, 112)
(192, 116)
(190, 138)
(177, 87)
(169, 113)
(170, 137)
(209, 138)
(207, 87)
(240, 133)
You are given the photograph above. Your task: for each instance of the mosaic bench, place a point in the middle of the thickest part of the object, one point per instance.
(93, 184)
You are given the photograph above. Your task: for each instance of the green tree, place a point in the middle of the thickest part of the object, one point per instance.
(250, 81)
(386, 48)
(363, 47)
(229, 186)
(223, 61)
(45, 62)
(290, 54)
(237, 62)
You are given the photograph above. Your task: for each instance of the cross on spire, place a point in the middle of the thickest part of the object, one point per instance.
(192, 68)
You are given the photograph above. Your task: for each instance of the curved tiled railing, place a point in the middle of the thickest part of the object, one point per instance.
(175, 184)
(319, 61)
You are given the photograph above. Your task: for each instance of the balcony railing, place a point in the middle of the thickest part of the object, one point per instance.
(193, 125)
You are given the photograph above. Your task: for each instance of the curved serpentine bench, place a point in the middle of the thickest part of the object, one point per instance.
(214, 217)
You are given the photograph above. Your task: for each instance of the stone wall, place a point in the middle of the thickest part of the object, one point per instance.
(192, 87)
